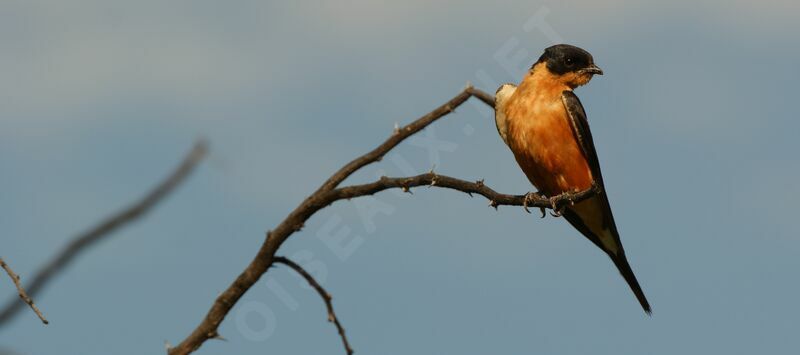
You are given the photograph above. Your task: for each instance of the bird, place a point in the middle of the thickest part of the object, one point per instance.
(544, 124)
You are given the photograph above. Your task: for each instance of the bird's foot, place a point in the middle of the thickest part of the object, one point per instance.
(559, 202)
(531, 197)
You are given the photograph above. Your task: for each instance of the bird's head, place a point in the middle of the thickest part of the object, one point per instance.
(567, 64)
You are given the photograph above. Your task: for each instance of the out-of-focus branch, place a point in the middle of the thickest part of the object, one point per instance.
(21, 291)
(326, 297)
(105, 228)
(329, 193)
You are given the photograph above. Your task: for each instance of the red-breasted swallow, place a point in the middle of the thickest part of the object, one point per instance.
(544, 124)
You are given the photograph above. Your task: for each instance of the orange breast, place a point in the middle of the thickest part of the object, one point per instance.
(543, 144)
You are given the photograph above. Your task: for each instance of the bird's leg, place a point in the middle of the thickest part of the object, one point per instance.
(530, 197)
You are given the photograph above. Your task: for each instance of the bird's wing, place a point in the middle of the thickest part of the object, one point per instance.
(593, 217)
(580, 129)
(500, 99)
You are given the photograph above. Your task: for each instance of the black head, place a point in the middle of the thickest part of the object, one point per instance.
(563, 58)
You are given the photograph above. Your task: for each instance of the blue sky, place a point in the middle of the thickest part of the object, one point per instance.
(693, 121)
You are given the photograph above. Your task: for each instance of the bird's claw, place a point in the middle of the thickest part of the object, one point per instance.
(532, 197)
(557, 203)
(554, 205)
(529, 197)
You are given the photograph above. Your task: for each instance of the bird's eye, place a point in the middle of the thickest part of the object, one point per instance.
(569, 61)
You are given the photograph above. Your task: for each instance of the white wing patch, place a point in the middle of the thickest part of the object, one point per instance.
(500, 99)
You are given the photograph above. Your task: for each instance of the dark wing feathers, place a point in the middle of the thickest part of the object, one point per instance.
(580, 128)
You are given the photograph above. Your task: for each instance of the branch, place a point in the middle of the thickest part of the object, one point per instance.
(434, 180)
(326, 195)
(400, 134)
(22, 295)
(326, 297)
(486, 98)
(105, 228)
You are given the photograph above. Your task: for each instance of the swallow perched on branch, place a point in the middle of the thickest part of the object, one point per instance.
(544, 124)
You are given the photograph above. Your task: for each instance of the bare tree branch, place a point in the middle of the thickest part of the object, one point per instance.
(21, 291)
(401, 134)
(435, 180)
(486, 98)
(326, 297)
(106, 227)
(328, 193)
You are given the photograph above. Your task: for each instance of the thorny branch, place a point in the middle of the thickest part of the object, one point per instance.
(478, 187)
(329, 193)
(21, 291)
(326, 297)
(105, 228)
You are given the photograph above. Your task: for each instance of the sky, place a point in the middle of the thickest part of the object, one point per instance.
(693, 123)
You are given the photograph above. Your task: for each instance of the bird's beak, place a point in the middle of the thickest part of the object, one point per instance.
(593, 69)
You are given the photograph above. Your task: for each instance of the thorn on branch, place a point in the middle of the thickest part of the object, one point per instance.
(216, 336)
(434, 177)
(479, 183)
(493, 203)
